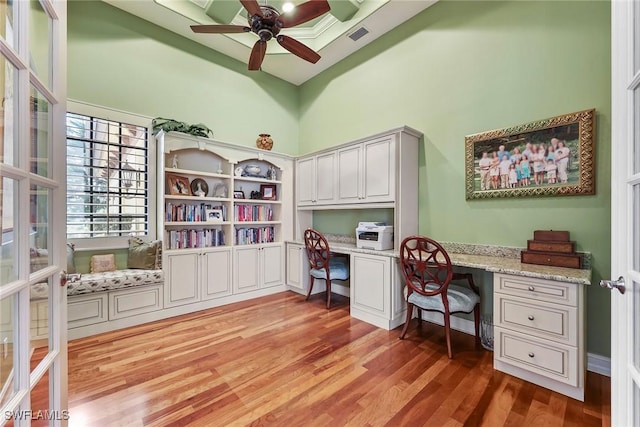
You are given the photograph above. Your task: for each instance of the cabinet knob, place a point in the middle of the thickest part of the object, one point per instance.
(531, 288)
(530, 317)
(531, 354)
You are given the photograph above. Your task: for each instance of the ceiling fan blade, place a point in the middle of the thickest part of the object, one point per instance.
(304, 12)
(213, 29)
(298, 49)
(252, 7)
(257, 55)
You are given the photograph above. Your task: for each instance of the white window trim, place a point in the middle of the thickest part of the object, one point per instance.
(99, 243)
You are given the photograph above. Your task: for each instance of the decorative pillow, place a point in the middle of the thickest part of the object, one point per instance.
(71, 263)
(145, 255)
(102, 263)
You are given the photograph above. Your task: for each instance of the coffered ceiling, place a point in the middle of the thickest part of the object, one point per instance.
(349, 26)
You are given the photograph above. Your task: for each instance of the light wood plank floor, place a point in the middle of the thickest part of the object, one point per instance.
(281, 361)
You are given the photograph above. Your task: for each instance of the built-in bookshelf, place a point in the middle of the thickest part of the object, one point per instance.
(212, 200)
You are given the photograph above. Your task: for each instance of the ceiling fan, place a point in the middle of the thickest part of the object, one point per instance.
(267, 22)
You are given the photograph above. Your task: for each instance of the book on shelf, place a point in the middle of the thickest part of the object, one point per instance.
(187, 212)
(248, 236)
(246, 212)
(192, 238)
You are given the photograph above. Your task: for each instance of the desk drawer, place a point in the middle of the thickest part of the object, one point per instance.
(537, 289)
(549, 321)
(555, 361)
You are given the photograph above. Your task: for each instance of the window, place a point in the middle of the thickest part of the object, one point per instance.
(108, 170)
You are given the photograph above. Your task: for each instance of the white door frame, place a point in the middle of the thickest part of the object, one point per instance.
(625, 78)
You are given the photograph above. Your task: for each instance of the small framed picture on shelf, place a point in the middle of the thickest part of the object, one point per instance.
(178, 185)
(238, 194)
(199, 187)
(268, 191)
(213, 215)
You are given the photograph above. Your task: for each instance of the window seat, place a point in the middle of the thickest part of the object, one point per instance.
(101, 282)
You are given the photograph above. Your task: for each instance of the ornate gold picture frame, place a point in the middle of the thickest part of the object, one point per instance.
(551, 157)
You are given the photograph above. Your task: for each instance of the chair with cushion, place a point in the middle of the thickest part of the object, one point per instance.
(322, 265)
(427, 272)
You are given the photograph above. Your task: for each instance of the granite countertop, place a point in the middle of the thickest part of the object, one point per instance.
(494, 259)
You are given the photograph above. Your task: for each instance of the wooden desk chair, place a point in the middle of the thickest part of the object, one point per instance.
(322, 265)
(427, 272)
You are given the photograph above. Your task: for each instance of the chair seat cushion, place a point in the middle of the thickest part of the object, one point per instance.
(461, 299)
(338, 270)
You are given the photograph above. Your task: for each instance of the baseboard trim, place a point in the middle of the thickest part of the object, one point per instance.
(595, 363)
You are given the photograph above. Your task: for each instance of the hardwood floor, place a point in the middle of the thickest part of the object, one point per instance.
(281, 361)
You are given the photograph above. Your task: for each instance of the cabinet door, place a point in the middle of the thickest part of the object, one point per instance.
(295, 264)
(182, 284)
(379, 164)
(371, 283)
(246, 276)
(216, 274)
(349, 174)
(306, 177)
(326, 178)
(272, 266)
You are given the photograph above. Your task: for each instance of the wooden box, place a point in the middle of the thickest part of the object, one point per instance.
(551, 236)
(551, 246)
(551, 258)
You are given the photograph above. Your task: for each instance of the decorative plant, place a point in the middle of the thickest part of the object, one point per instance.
(168, 125)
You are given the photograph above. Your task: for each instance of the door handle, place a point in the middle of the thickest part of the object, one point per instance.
(614, 284)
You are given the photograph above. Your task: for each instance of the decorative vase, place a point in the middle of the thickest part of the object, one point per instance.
(264, 141)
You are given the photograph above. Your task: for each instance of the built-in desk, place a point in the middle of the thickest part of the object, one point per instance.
(538, 311)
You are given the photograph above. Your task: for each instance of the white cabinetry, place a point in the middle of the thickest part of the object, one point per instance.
(376, 290)
(366, 171)
(258, 267)
(297, 278)
(222, 245)
(317, 179)
(377, 172)
(539, 332)
(195, 275)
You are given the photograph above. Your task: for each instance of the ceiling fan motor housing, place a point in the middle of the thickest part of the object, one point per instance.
(266, 26)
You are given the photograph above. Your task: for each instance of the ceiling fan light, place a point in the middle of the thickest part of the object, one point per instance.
(288, 6)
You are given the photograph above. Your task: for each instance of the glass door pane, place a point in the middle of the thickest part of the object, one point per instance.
(40, 134)
(39, 228)
(7, 350)
(8, 134)
(6, 22)
(40, 42)
(9, 250)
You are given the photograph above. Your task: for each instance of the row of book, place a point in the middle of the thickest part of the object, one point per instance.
(253, 213)
(202, 238)
(195, 213)
(247, 236)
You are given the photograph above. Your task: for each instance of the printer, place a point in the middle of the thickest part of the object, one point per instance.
(374, 235)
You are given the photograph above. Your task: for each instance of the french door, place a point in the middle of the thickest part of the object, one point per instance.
(33, 353)
(625, 213)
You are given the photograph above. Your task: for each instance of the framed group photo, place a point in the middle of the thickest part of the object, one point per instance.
(548, 157)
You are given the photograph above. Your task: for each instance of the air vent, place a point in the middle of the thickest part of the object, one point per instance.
(359, 33)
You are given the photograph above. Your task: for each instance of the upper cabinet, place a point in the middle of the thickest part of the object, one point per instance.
(359, 173)
(366, 171)
(317, 179)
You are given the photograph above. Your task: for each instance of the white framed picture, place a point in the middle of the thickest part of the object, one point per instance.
(213, 215)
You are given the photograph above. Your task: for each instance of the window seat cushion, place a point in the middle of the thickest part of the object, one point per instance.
(106, 281)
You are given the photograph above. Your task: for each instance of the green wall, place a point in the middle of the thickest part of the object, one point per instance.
(120, 61)
(461, 68)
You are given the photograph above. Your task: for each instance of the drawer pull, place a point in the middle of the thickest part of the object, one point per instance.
(531, 354)
(530, 317)
(531, 288)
